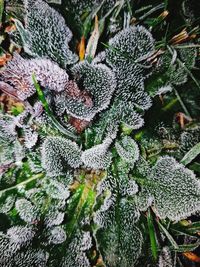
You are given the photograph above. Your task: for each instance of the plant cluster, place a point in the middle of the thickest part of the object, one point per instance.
(99, 134)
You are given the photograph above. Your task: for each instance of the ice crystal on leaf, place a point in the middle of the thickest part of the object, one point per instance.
(128, 54)
(172, 189)
(128, 149)
(45, 33)
(58, 153)
(30, 137)
(76, 253)
(18, 74)
(98, 81)
(31, 257)
(98, 157)
(55, 189)
(118, 239)
(177, 70)
(26, 210)
(165, 259)
(20, 235)
(56, 235)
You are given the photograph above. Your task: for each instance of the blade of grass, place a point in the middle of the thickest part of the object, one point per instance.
(168, 235)
(1, 10)
(33, 178)
(191, 154)
(188, 247)
(152, 235)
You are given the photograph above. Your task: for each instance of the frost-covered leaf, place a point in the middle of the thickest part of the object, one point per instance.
(119, 113)
(172, 189)
(97, 81)
(191, 155)
(76, 251)
(31, 257)
(34, 161)
(55, 189)
(174, 72)
(27, 211)
(7, 127)
(18, 73)
(98, 157)
(56, 235)
(20, 235)
(11, 152)
(30, 137)
(53, 217)
(46, 33)
(119, 240)
(165, 259)
(128, 149)
(6, 206)
(128, 55)
(58, 153)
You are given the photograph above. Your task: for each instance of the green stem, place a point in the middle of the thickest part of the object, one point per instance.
(181, 103)
(33, 178)
(152, 235)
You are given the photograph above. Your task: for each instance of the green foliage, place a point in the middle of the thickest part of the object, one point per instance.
(43, 21)
(172, 189)
(59, 153)
(92, 168)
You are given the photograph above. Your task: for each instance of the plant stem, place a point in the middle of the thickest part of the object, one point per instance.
(181, 103)
(33, 178)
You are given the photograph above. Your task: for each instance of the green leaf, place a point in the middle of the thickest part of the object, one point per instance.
(191, 154)
(185, 248)
(119, 240)
(1, 10)
(152, 235)
(48, 36)
(172, 190)
(169, 236)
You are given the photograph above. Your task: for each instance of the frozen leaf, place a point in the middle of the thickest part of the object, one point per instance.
(11, 152)
(46, 33)
(98, 157)
(172, 189)
(98, 82)
(165, 259)
(54, 217)
(34, 161)
(119, 113)
(31, 257)
(119, 240)
(56, 235)
(76, 251)
(30, 137)
(55, 189)
(174, 71)
(26, 210)
(58, 153)
(128, 54)
(6, 206)
(128, 149)
(20, 235)
(18, 73)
